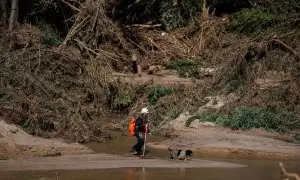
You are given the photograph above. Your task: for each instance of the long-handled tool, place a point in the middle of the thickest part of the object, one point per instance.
(145, 140)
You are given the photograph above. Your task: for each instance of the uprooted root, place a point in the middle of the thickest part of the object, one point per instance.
(286, 174)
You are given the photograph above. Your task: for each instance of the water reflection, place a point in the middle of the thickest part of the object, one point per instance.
(143, 173)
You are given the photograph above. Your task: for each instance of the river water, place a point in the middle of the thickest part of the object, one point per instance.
(255, 170)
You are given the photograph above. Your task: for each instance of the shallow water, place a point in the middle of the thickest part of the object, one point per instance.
(256, 170)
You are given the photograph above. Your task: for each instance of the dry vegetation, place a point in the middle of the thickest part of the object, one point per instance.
(62, 91)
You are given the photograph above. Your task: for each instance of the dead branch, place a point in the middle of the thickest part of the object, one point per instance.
(70, 5)
(87, 48)
(287, 174)
(144, 25)
(74, 30)
(96, 17)
(284, 47)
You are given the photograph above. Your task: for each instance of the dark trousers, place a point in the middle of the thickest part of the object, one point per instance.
(140, 142)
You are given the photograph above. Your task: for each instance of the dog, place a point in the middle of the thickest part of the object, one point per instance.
(179, 153)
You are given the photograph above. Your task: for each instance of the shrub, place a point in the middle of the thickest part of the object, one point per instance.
(157, 92)
(172, 14)
(247, 118)
(184, 67)
(50, 35)
(250, 21)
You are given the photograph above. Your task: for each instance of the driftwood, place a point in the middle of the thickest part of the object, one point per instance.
(287, 174)
(70, 5)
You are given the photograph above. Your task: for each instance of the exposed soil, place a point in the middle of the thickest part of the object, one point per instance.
(210, 140)
(14, 142)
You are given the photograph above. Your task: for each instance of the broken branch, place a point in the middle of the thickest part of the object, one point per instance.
(70, 5)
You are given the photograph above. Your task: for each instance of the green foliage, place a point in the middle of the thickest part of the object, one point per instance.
(247, 118)
(296, 138)
(117, 99)
(173, 114)
(298, 1)
(172, 14)
(157, 92)
(184, 67)
(175, 15)
(252, 21)
(122, 101)
(50, 35)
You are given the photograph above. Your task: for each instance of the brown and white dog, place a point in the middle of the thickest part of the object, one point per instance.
(179, 153)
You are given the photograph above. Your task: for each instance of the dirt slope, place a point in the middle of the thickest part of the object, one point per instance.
(15, 142)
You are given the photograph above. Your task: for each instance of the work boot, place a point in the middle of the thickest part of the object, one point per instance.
(133, 149)
(137, 153)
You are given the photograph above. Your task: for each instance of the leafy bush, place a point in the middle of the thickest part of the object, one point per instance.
(172, 14)
(250, 21)
(118, 99)
(247, 118)
(122, 101)
(50, 35)
(51, 12)
(157, 92)
(184, 67)
(227, 6)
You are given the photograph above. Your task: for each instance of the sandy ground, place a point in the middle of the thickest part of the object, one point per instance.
(14, 142)
(209, 140)
(20, 151)
(105, 161)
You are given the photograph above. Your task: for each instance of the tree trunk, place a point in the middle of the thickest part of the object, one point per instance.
(13, 14)
(3, 9)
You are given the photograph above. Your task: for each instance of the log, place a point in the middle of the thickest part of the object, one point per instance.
(13, 14)
(287, 174)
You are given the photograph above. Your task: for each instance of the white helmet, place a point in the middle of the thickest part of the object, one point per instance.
(145, 111)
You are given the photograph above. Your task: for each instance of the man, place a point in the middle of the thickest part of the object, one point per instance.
(141, 128)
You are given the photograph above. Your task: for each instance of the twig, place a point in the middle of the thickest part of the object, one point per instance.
(71, 6)
(87, 48)
(285, 173)
(96, 17)
(75, 30)
(144, 25)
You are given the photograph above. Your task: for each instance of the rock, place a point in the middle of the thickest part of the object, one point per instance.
(197, 124)
(216, 102)
(13, 130)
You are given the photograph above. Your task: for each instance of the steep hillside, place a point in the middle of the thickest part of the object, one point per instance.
(59, 78)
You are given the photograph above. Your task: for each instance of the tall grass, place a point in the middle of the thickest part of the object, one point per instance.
(248, 118)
